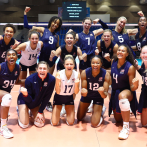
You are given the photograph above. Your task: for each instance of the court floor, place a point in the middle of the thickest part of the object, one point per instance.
(78, 135)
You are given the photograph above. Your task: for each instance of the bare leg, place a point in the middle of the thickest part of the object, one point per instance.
(143, 117)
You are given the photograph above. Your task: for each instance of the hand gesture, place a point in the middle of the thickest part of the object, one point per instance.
(101, 90)
(84, 57)
(96, 52)
(84, 92)
(27, 9)
(15, 45)
(40, 118)
(107, 57)
(140, 13)
(53, 53)
(77, 81)
(58, 79)
(24, 91)
(1, 37)
(96, 21)
(135, 82)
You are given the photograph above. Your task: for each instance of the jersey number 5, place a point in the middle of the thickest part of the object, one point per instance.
(120, 38)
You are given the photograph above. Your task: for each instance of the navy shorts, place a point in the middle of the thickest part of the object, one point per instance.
(31, 68)
(143, 99)
(97, 101)
(60, 99)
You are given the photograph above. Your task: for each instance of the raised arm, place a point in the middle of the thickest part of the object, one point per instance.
(21, 47)
(84, 90)
(58, 83)
(26, 25)
(98, 32)
(77, 81)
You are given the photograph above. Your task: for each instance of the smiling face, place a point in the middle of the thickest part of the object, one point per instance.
(142, 23)
(107, 37)
(11, 57)
(42, 71)
(69, 65)
(96, 64)
(34, 38)
(55, 24)
(86, 25)
(9, 32)
(121, 23)
(69, 40)
(144, 54)
(122, 52)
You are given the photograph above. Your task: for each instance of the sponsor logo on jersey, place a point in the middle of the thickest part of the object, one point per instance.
(144, 39)
(16, 73)
(101, 78)
(45, 84)
(91, 34)
(35, 82)
(5, 73)
(122, 71)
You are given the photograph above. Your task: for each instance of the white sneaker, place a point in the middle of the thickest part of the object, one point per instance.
(4, 131)
(124, 133)
(63, 111)
(103, 110)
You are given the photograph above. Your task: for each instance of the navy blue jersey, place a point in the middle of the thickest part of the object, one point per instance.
(143, 74)
(4, 48)
(140, 42)
(7, 78)
(64, 52)
(50, 41)
(87, 43)
(109, 50)
(39, 92)
(93, 83)
(120, 79)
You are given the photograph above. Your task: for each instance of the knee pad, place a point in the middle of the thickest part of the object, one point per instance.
(22, 125)
(124, 105)
(6, 100)
(38, 124)
(110, 89)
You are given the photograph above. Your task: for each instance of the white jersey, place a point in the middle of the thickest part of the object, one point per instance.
(29, 56)
(67, 86)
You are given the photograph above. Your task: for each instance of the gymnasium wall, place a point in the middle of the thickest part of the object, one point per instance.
(12, 10)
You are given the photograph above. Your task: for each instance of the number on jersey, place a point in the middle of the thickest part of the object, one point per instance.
(68, 88)
(51, 40)
(145, 80)
(115, 77)
(93, 87)
(32, 56)
(121, 39)
(3, 55)
(139, 46)
(9, 83)
(88, 40)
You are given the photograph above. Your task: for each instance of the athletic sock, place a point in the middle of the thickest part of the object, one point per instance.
(3, 122)
(126, 124)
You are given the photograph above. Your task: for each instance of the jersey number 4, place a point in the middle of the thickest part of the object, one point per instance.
(115, 77)
(9, 83)
(68, 88)
(32, 56)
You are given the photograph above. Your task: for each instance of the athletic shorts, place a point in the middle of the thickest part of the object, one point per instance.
(97, 101)
(31, 68)
(60, 99)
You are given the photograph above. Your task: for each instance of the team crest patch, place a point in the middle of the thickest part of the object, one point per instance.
(16, 73)
(144, 39)
(38, 49)
(110, 49)
(122, 71)
(45, 84)
(101, 78)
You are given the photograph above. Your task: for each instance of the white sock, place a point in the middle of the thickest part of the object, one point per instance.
(126, 124)
(3, 122)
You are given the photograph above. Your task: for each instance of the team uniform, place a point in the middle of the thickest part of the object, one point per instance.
(107, 64)
(120, 82)
(29, 57)
(87, 44)
(67, 89)
(4, 48)
(8, 78)
(39, 92)
(140, 42)
(121, 38)
(93, 83)
(50, 41)
(143, 95)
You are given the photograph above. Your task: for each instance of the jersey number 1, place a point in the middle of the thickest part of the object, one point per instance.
(68, 88)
